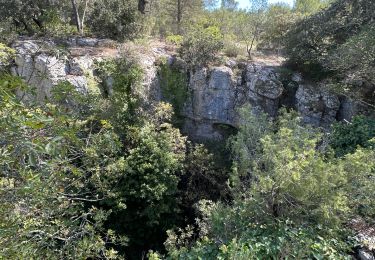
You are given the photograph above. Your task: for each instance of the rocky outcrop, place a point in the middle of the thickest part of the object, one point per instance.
(43, 67)
(211, 101)
(316, 105)
(215, 93)
(44, 64)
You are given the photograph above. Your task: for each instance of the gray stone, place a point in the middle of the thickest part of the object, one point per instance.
(87, 42)
(231, 63)
(316, 105)
(216, 94)
(78, 66)
(297, 77)
(365, 255)
(43, 70)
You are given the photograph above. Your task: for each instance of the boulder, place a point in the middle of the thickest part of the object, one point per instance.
(212, 95)
(87, 42)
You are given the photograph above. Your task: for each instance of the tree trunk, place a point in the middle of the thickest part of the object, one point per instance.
(39, 23)
(249, 47)
(29, 29)
(179, 16)
(76, 14)
(84, 15)
(142, 6)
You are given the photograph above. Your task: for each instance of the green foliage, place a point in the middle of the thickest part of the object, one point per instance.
(279, 19)
(201, 45)
(288, 187)
(174, 87)
(232, 49)
(168, 17)
(155, 155)
(244, 145)
(79, 171)
(308, 7)
(116, 19)
(203, 178)
(174, 39)
(55, 25)
(125, 92)
(323, 42)
(54, 167)
(286, 176)
(346, 137)
(267, 241)
(148, 187)
(6, 54)
(360, 169)
(355, 55)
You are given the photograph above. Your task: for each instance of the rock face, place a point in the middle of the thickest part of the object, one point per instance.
(42, 65)
(43, 68)
(316, 105)
(215, 93)
(211, 101)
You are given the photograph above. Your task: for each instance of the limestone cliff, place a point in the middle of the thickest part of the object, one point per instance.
(215, 93)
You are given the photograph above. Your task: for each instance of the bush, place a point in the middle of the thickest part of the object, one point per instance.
(6, 55)
(293, 202)
(115, 19)
(50, 165)
(175, 39)
(346, 137)
(281, 240)
(232, 49)
(311, 43)
(201, 45)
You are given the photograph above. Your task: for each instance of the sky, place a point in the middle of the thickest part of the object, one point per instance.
(245, 3)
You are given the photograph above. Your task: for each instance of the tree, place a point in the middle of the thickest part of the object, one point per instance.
(27, 14)
(279, 19)
(201, 45)
(55, 168)
(178, 13)
(116, 19)
(257, 18)
(80, 19)
(229, 4)
(308, 7)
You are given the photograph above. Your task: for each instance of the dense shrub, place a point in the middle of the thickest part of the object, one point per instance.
(201, 45)
(232, 49)
(97, 167)
(284, 188)
(315, 40)
(54, 168)
(174, 39)
(346, 137)
(116, 19)
(267, 241)
(6, 55)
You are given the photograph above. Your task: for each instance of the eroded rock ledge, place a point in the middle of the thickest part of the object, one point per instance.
(215, 93)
